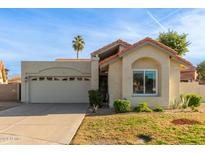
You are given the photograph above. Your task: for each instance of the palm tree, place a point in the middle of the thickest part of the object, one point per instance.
(78, 44)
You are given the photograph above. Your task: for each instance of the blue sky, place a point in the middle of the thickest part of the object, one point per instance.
(46, 34)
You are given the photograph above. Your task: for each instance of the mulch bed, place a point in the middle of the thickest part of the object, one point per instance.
(185, 121)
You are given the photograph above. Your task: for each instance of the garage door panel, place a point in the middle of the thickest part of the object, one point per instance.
(59, 91)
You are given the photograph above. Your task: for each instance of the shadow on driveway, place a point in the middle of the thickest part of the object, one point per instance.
(45, 109)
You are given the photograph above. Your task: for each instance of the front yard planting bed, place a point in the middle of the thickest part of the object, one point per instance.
(142, 128)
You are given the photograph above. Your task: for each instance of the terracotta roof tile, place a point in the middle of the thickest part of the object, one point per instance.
(148, 39)
(111, 44)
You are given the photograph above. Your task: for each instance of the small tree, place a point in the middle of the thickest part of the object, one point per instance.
(175, 41)
(78, 44)
(201, 72)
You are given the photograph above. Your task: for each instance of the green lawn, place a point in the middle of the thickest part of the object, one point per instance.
(125, 129)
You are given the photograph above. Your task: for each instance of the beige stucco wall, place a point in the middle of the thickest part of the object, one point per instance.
(10, 92)
(55, 68)
(192, 87)
(115, 81)
(95, 73)
(174, 81)
(146, 57)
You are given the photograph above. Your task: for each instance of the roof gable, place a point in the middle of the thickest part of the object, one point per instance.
(150, 41)
(111, 45)
(153, 42)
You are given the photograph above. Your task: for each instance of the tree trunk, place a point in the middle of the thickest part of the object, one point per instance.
(77, 54)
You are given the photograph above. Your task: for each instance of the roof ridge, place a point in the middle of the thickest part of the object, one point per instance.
(152, 41)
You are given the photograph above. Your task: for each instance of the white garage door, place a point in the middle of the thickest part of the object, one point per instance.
(59, 89)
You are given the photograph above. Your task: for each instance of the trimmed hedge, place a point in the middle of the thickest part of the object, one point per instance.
(122, 106)
(142, 107)
(194, 99)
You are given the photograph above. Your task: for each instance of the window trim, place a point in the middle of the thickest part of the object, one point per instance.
(144, 70)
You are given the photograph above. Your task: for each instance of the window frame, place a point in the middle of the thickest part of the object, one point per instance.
(144, 70)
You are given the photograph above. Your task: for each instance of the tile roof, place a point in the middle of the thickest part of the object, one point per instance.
(119, 41)
(149, 40)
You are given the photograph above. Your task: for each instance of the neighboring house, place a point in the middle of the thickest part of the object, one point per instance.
(15, 79)
(3, 73)
(188, 75)
(146, 71)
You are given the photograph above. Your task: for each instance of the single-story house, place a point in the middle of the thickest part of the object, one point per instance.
(188, 75)
(146, 71)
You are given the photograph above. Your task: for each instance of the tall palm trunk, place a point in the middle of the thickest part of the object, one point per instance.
(77, 53)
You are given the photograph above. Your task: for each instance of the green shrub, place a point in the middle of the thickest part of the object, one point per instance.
(95, 98)
(142, 107)
(194, 109)
(194, 99)
(158, 109)
(184, 101)
(122, 106)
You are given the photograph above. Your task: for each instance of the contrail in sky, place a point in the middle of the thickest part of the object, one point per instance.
(156, 21)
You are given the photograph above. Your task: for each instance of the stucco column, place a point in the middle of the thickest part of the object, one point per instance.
(126, 79)
(95, 73)
(174, 81)
(165, 91)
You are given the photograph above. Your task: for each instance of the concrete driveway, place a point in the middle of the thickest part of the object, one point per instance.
(41, 123)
